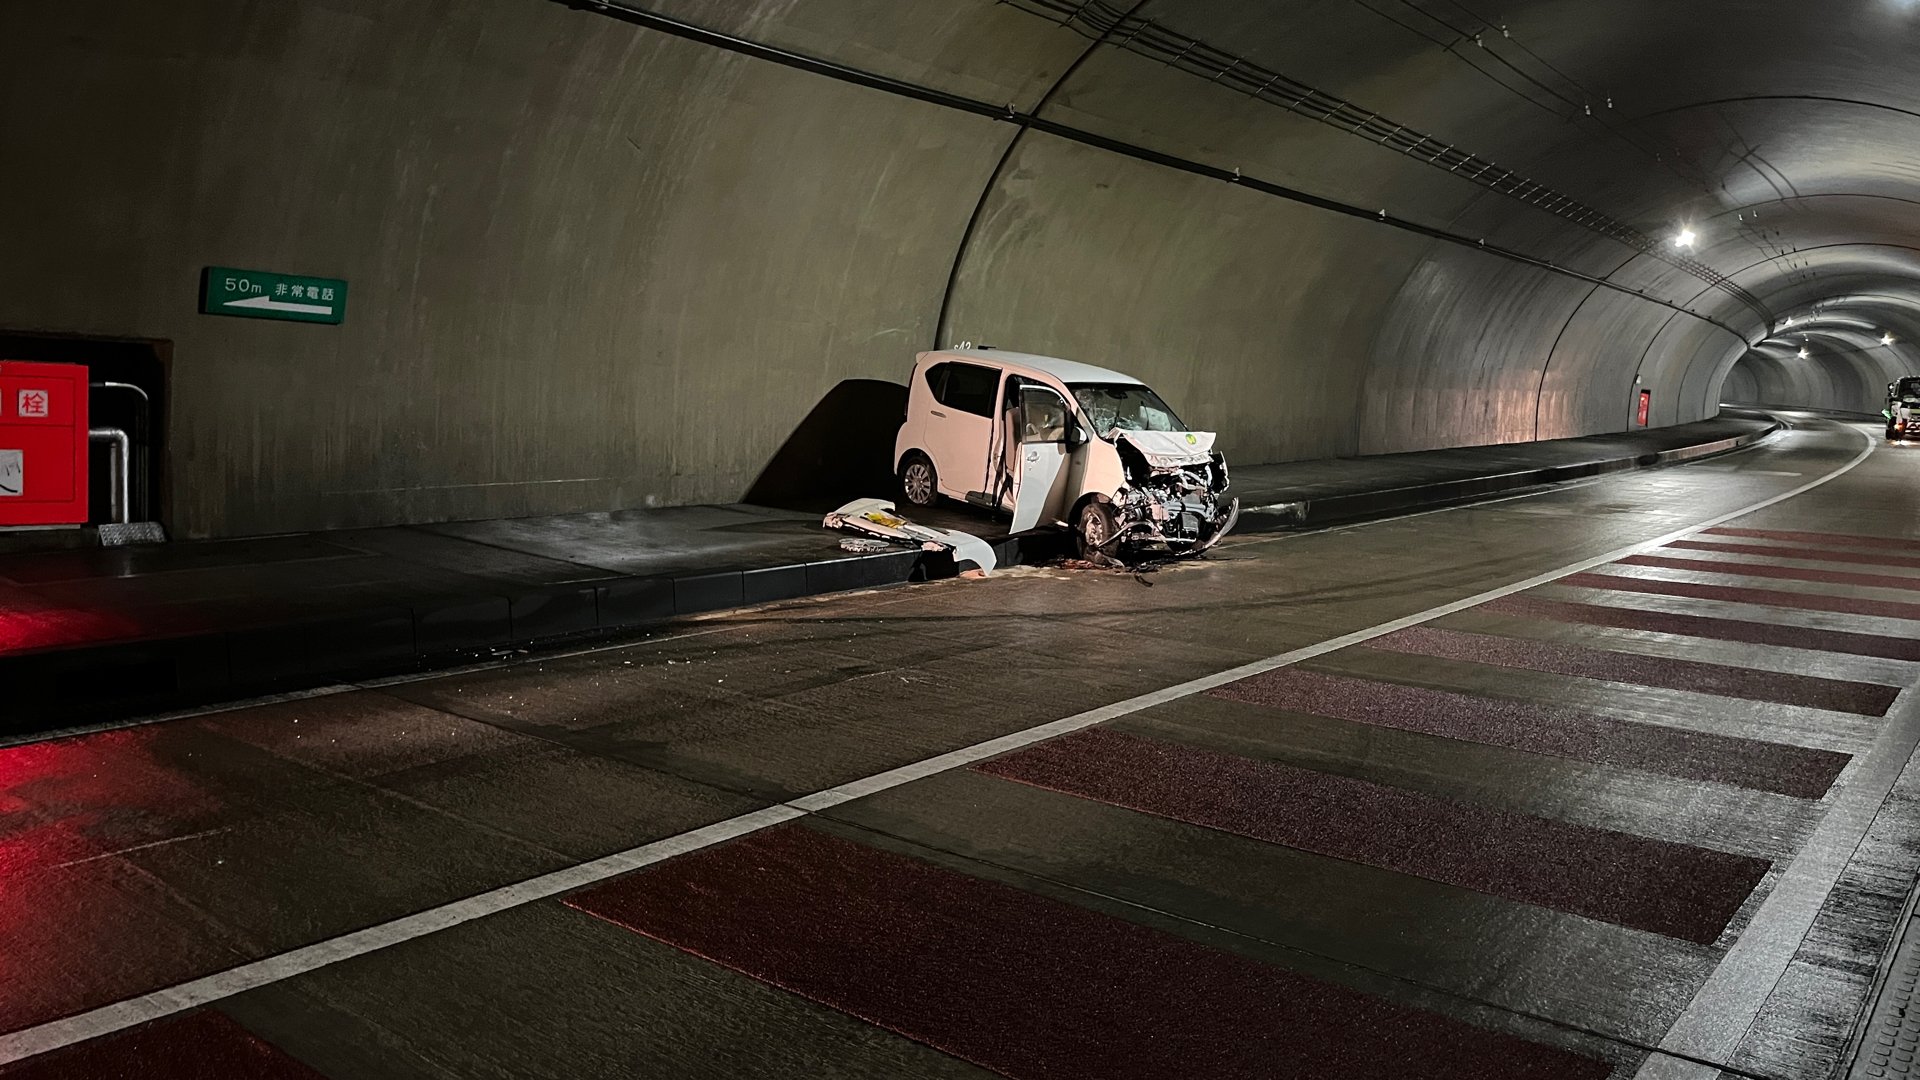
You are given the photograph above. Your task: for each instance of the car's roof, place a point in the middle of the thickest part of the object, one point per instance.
(1067, 371)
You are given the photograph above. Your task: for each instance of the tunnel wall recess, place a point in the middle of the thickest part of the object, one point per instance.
(597, 263)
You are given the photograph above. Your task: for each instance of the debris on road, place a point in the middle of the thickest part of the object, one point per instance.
(877, 519)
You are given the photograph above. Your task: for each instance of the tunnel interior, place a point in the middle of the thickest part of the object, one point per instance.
(1839, 356)
(634, 254)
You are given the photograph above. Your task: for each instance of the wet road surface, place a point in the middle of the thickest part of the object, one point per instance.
(1607, 781)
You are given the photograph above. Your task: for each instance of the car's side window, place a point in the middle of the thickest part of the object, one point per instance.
(937, 381)
(969, 388)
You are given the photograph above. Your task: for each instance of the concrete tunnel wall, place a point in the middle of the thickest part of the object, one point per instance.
(595, 266)
(1742, 385)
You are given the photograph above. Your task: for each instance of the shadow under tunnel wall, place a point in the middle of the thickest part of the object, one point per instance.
(842, 450)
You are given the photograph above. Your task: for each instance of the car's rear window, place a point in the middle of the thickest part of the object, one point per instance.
(969, 388)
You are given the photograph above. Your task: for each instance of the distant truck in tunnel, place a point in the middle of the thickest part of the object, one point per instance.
(1903, 408)
(1056, 442)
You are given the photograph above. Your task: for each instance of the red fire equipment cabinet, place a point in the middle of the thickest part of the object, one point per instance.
(43, 444)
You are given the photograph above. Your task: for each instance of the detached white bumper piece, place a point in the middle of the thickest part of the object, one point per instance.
(878, 518)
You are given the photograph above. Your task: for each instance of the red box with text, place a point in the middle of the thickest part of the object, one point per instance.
(43, 444)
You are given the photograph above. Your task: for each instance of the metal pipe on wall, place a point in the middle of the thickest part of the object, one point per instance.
(124, 386)
(144, 432)
(122, 470)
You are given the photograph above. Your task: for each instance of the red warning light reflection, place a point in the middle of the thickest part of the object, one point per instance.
(79, 798)
(27, 629)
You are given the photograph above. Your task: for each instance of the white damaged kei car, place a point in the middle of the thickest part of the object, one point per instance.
(1055, 442)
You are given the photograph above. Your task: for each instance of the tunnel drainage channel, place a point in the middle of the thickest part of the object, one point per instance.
(1890, 1022)
(56, 1034)
(667, 25)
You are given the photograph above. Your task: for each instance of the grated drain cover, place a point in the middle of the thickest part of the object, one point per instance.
(139, 532)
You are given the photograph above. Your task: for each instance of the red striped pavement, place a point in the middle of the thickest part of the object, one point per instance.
(1672, 889)
(1540, 729)
(1696, 590)
(204, 1045)
(1860, 558)
(1029, 986)
(1750, 684)
(1820, 539)
(1783, 573)
(1700, 626)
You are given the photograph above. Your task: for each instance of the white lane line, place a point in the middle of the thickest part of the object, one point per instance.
(1737, 562)
(1734, 578)
(107, 1019)
(189, 995)
(1738, 611)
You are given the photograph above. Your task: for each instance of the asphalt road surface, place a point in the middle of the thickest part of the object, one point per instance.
(1606, 781)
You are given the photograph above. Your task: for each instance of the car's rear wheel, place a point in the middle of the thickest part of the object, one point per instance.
(1093, 527)
(919, 484)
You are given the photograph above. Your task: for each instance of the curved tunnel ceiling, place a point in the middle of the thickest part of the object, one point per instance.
(1788, 148)
(1322, 228)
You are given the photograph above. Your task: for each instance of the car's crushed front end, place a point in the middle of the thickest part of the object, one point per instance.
(1175, 499)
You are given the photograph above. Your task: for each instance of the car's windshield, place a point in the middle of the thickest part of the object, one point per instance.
(1124, 407)
(1908, 388)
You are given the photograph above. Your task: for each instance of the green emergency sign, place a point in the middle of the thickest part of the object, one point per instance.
(257, 294)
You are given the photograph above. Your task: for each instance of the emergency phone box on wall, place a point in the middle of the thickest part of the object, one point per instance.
(43, 444)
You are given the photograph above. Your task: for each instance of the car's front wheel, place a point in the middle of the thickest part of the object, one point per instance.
(1094, 528)
(919, 484)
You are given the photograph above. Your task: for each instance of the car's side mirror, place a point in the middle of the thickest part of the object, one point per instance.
(1076, 435)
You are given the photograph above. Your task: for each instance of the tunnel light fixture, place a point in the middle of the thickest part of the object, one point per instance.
(1685, 239)
(1804, 354)
(1886, 339)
